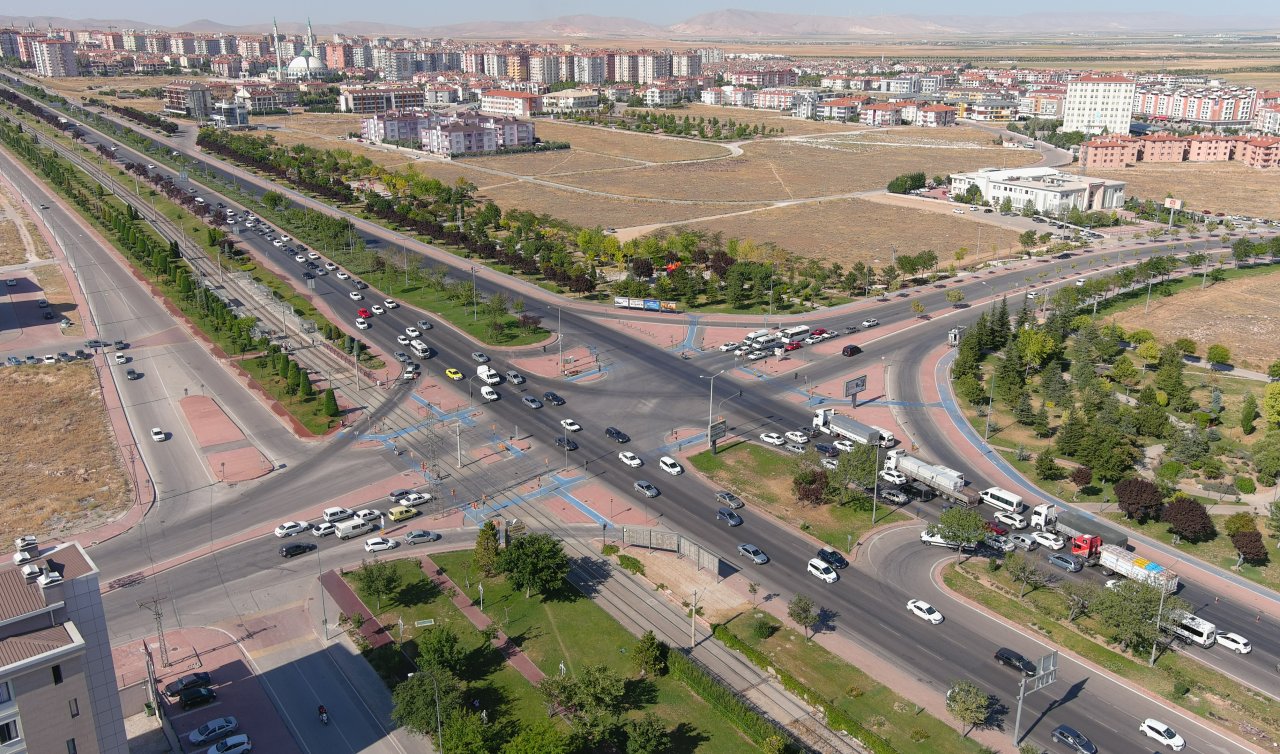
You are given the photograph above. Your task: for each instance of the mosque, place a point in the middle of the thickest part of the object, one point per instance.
(307, 65)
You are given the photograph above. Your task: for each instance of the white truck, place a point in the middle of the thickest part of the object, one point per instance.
(954, 335)
(1071, 523)
(1117, 560)
(946, 481)
(828, 421)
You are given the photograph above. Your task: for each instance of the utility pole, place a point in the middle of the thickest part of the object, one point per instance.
(158, 613)
(560, 341)
(458, 433)
(693, 621)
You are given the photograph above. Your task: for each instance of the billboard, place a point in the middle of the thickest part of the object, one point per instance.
(1173, 203)
(646, 304)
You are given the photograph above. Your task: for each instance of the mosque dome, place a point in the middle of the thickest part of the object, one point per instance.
(306, 65)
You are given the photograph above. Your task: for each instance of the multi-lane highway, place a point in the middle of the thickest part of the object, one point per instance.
(868, 602)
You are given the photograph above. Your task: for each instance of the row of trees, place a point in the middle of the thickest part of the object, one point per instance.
(150, 120)
(699, 127)
(305, 167)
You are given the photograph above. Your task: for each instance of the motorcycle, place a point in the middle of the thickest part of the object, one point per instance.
(324, 715)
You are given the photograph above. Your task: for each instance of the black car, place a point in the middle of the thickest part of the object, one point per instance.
(830, 451)
(296, 548)
(131, 374)
(850, 350)
(1012, 659)
(188, 682)
(1074, 739)
(832, 557)
(617, 435)
(565, 442)
(728, 516)
(552, 398)
(91, 344)
(196, 697)
(120, 345)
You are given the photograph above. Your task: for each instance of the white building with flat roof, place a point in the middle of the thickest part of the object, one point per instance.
(1048, 190)
(1097, 104)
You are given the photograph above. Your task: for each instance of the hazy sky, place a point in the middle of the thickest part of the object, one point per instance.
(423, 14)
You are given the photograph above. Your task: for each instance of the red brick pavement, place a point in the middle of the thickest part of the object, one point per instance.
(347, 601)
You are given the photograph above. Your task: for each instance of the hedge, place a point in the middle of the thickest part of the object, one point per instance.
(752, 724)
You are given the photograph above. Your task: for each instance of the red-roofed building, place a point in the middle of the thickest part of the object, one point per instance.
(1267, 119)
(507, 102)
(882, 114)
(1164, 148)
(842, 108)
(1212, 147)
(936, 116)
(1109, 153)
(1260, 153)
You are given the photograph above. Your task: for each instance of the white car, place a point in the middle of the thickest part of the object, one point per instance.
(1048, 539)
(237, 744)
(356, 296)
(1235, 642)
(756, 355)
(277, 243)
(413, 332)
(361, 323)
(1153, 728)
(729, 347)
(822, 570)
(323, 529)
(1012, 520)
(289, 528)
(368, 514)
(120, 358)
(376, 309)
(313, 256)
(830, 464)
(630, 459)
(158, 434)
(285, 238)
(845, 446)
(773, 438)
(571, 425)
(893, 476)
(812, 339)
(402, 340)
(924, 611)
(670, 465)
(488, 393)
(870, 322)
(742, 351)
(342, 275)
(391, 303)
(998, 543)
(299, 258)
(797, 437)
(378, 544)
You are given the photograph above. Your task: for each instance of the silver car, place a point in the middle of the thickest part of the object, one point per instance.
(1023, 542)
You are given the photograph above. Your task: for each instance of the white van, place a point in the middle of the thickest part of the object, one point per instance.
(1189, 628)
(488, 374)
(1002, 500)
(752, 337)
(353, 528)
(420, 349)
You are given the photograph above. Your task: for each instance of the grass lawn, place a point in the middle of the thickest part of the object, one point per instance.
(567, 627)
(1045, 612)
(761, 476)
(1138, 296)
(1219, 551)
(855, 693)
(309, 411)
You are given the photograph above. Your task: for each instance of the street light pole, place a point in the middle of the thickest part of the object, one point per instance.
(711, 408)
(560, 342)
(474, 309)
(991, 404)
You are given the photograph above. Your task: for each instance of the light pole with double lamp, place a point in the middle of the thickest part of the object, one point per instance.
(711, 443)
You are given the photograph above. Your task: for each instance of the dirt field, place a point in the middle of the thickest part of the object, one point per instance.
(61, 470)
(768, 118)
(627, 145)
(12, 249)
(853, 230)
(563, 162)
(1228, 187)
(320, 124)
(957, 135)
(782, 170)
(591, 211)
(1240, 314)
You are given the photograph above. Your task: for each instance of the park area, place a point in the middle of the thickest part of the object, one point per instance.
(561, 631)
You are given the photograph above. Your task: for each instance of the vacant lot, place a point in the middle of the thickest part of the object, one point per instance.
(766, 118)
(53, 285)
(955, 135)
(1227, 187)
(564, 161)
(12, 249)
(320, 124)
(627, 145)
(61, 471)
(589, 210)
(1240, 314)
(783, 170)
(855, 230)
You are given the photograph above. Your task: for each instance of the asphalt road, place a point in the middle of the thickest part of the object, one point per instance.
(631, 399)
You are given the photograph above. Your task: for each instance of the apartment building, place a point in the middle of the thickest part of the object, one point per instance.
(1041, 104)
(57, 679)
(1163, 148)
(1267, 119)
(686, 64)
(449, 135)
(1045, 189)
(1214, 107)
(764, 78)
(54, 57)
(651, 67)
(590, 69)
(367, 100)
(229, 115)
(570, 100)
(189, 98)
(776, 98)
(1211, 147)
(935, 116)
(843, 109)
(1097, 104)
(882, 114)
(661, 95)
(507, 102)
(1263, 152)
(1109, 152)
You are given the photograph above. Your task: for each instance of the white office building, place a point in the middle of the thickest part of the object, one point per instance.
(1048, 190)
(1097, 104)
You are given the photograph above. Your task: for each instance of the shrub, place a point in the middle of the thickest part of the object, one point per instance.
(631, 564)
(1238, 522)
(1245, 484)
(1188, 519)
(1251, 547)
(1169, 471)
(1082, 476)
(1213, 468)
(762, 629)
(609, 550)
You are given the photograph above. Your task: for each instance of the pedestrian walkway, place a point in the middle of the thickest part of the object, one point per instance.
(510, 652)
(349, 604)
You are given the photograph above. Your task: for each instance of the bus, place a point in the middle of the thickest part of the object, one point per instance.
(795, 334)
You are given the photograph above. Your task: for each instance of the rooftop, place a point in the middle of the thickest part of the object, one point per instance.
(18, 596)
(20, 647)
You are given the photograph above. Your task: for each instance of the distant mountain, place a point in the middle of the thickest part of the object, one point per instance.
(738, 24)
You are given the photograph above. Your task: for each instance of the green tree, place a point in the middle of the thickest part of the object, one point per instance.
(1010, 376)
(465, 732)
(1148, 351)
(485, 555)
(1248, 413)
(955, 296)
(592, 701)
(1185, 346)
(1219, 354)
(649, 655)
(1025, 572)
(273, 200)
(647, 735)
(1238, 522)
(803, 610)
(1273, 370)
(970, 390)
(959, 524)
(1079, 595)
(917, 307)
(1128, 613)
(331, 403)
(304, 384)
(1041, 424)
(440, 646)
(414, 700)
(1124, 372)
(1027, 239)
(1036, 346)
(1006, 206)
(1271, 405)
(538, 736)
(1072, 433)
(1046, 468)
(534, 562)
(1024, 413)
(968, 704)
(377, 579)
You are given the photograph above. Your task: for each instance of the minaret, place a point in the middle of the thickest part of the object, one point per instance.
(311, 38)
(275, 42)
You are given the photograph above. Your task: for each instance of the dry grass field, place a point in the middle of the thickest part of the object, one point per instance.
(562, 162)
(61, 470)
(590, 211)
(318, 124)
(855, 230)
(955, 135)
(54, 289)
(784, 170)
(1240, 314)
(766, 118)
(12, 249)
(627, 145)
(1228, 187)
